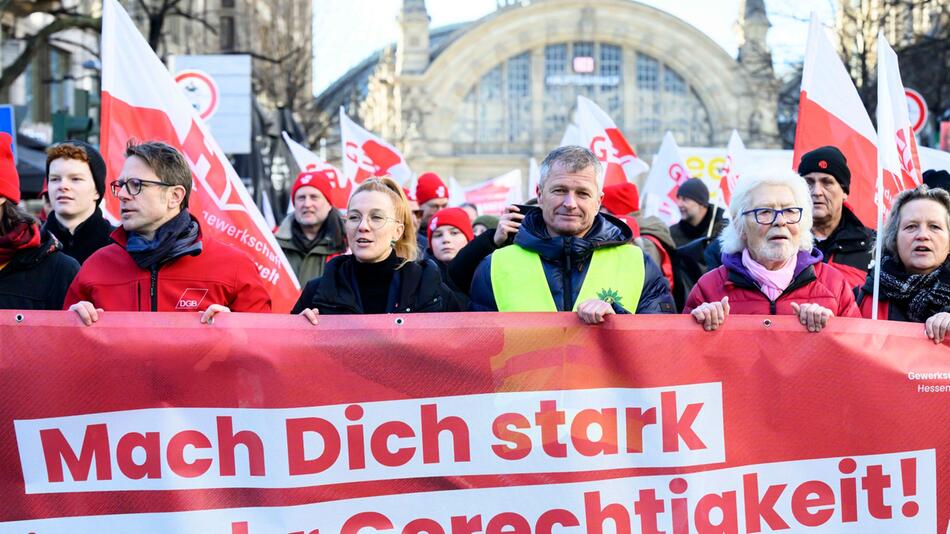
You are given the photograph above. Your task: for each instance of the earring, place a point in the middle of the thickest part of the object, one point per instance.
(392, 243)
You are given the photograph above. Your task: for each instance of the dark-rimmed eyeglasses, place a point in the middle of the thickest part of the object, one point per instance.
(133, 185)
(768, 215)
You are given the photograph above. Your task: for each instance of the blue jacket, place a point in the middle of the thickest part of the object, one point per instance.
(565, 261)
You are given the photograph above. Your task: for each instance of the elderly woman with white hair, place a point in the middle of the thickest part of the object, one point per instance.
(915, 263)
(770, 265)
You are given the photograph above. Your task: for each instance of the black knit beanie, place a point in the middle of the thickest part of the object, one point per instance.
(694, 189)
(829, 160)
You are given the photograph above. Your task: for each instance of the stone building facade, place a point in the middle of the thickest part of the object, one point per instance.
(478, 99)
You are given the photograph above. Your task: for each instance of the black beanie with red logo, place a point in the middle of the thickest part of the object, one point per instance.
(829, 160)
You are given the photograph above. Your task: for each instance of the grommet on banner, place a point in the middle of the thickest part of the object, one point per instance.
(19, 317)
(399, 321)
(767, 323)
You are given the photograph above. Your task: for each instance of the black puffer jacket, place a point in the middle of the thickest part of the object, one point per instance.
(416, 287)
(37, 278)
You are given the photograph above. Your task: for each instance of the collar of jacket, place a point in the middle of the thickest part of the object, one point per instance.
(607, 231)
(94, 224)
(850, 233)
(330, 239)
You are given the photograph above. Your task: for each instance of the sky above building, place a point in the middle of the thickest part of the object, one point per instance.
(347, 31)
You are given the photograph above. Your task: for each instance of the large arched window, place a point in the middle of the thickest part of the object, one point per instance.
(496, 117)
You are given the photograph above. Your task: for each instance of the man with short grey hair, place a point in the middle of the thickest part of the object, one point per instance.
(567, 256)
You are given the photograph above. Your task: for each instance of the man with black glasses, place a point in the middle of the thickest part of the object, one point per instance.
(160, 260)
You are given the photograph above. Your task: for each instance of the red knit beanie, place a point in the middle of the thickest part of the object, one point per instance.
(319, 179)
(456, 217)
(9, 178)
(430, 186)
(621, 199)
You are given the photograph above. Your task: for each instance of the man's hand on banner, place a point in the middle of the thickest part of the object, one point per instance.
(813, 316)
(593, 311)
(937, 326)
(508, 225)
(88, 313)
(207, 316)
(711, 315)
(311, 315)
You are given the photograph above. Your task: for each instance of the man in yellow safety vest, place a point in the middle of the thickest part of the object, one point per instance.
(569, 257)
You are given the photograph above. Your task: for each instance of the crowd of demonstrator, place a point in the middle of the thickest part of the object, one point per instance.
(788, 244)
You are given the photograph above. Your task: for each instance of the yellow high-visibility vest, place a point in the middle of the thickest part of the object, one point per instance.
(615, 274)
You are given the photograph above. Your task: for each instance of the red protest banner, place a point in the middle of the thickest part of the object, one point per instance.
(470, 423)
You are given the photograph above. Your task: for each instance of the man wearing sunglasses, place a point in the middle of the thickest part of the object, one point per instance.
(160, 260)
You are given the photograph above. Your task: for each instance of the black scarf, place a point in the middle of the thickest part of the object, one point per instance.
(922, 295)
(177, 237)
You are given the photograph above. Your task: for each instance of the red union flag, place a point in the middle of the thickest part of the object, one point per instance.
(666, 175)
(365, 155)
(897, 146)
(141, 101)
(308, 161)
(830, 112)
(599, 133)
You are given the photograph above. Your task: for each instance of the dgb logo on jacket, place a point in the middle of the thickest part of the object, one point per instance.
(191, 298)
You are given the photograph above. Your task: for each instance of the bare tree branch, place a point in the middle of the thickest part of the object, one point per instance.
(33, 43)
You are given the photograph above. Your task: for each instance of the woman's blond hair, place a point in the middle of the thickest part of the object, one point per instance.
(406, 247)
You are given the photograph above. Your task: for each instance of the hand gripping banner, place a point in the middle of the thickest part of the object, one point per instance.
(470, 423)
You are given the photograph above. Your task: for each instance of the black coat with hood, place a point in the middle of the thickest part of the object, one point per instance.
(565, 261)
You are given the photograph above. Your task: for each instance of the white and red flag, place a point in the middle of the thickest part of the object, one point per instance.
(365, 155)
(898, 162)
(830, 112)
(666, 174)
(572, 136)
(599, 133)
(898, 156)
(308, 161)
(141, 101)
(492, 195)
(732, 170)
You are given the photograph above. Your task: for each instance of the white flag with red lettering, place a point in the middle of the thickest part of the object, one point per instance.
(456, 192)
(830, 112)
(599, 133)
(897, 158)
(897, 147)
(365, 155)
(308, 161)
(666, 174)
(141, 101)
(732, 170)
